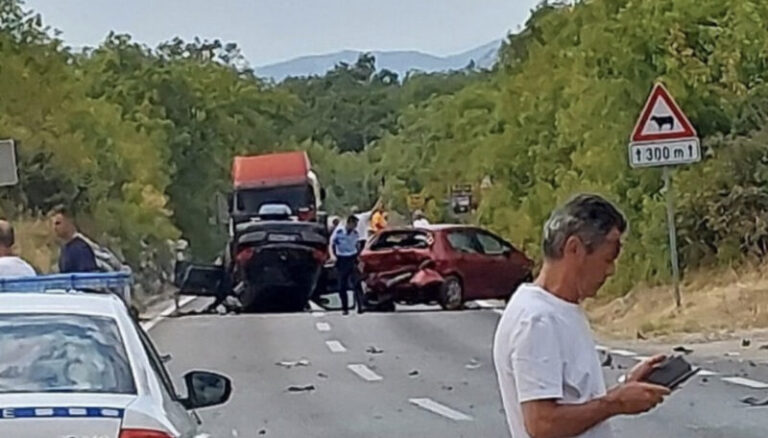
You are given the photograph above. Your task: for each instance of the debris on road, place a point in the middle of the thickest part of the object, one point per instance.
(293, 363)
(754, 401)
(763, 347)
(746, 342)
(447, 388)
(640, 336)
(414, 373)
(752, 363)
(473, 364)
(322, 375)
(373, 350)
(307, 388)
(732, 354)
(607, 361)
(263, 432)
(682, 349)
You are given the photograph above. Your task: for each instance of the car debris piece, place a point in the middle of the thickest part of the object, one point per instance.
(732, 354)
(608, 361)
(473, 364)
(754, 401)
(307, 388)
(293, 363)
(746, 342)
(763, 347)
(641, 336)
(263, 432)
(414, 373)
(682, 349)
(373, 350)
(322, 375)
(447, 387)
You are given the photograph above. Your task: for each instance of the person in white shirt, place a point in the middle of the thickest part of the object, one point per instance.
(548, 370)
(419, 219)
(10, 265)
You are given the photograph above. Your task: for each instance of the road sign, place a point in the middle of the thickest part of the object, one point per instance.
(461, 198)
(9, 174)
(663, 136)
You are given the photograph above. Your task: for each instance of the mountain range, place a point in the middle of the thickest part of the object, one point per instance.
(399, 61)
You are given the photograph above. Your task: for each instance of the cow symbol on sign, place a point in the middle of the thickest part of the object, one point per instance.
(662, 121)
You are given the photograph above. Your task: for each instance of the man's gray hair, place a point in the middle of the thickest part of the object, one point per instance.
(589, 217)
(7, 235)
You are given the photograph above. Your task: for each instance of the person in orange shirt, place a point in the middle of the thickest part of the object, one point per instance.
(379, 218)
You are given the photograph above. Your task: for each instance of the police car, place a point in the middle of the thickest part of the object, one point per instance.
(73, 364)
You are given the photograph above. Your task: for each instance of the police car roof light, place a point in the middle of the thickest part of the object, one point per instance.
(80, 281)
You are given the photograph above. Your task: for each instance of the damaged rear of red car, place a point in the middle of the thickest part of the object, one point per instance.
(447, 264)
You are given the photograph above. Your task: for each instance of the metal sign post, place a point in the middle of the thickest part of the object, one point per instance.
(664, 137)
(670, 195)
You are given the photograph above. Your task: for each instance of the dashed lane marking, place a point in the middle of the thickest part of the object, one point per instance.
(335, 346)
(148, 325)
(318, 314)
(439, 409)
(323, 327)
(625, 353)
(754, 384)
(364, 372)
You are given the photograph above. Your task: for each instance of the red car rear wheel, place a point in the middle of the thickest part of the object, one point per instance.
(452, 293)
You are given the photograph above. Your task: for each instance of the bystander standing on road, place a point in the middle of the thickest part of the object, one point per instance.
(345, 249)
(11, 266)
(548, 370)
(76, 255)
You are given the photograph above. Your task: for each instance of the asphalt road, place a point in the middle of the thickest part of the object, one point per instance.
(424, 374)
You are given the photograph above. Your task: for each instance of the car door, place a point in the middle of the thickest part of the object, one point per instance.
(469, 261)
(184, 421)
(503, 273)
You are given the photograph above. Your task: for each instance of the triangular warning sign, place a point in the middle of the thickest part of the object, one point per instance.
(662, 119)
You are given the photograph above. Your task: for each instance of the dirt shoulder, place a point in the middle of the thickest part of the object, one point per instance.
(718, 306)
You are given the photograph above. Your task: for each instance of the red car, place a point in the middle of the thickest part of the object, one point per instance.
(449, 264)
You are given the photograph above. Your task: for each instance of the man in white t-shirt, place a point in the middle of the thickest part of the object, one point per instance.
(10, 265)
(549, 372)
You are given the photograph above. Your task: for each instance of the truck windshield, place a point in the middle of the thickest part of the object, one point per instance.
(296, 197)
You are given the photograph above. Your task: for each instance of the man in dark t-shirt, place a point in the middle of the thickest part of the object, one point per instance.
(76, 255)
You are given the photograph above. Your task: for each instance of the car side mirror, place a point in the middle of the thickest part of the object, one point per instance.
(206, 389)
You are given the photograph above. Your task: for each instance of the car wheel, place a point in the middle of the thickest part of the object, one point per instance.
(452, 294)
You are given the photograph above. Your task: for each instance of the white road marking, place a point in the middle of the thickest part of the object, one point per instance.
(440, 409)
(746, 382)
(335, 346)
(318, 314)
(147, 325)
(364, 372)
(706, 373)
(323, 327)
(625, 353)
(490, 304)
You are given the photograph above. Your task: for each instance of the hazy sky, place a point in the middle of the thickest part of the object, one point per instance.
(275, 30)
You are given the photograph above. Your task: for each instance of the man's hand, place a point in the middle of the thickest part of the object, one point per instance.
(640, 371)
(635, 397)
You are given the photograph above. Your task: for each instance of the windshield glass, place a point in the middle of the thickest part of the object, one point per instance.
(402, 239)
(62, 353)
(296, 197)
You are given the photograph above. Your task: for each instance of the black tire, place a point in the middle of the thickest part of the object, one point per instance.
(452, 293)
